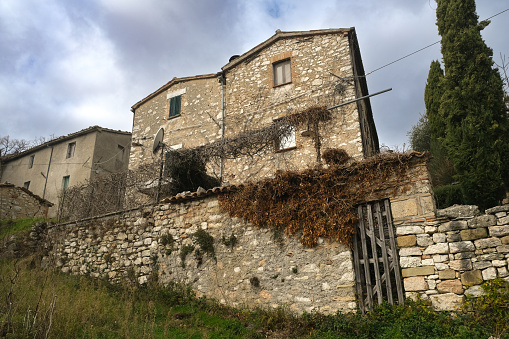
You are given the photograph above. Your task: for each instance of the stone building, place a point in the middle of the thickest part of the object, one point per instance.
(51, 167)
(286, 74)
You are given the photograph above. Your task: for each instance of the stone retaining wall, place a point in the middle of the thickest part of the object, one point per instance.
(261, 269)
(448, 258)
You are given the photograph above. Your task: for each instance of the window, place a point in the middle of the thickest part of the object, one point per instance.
(70, 150)
(65, 182)
(287, 141)
(120, 151)
(26, 184)
(31, 161)
(175, 106)
(282, 72)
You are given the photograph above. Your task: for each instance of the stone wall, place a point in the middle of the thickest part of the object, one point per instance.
(261, 269)
(450, 257)
(18, 202)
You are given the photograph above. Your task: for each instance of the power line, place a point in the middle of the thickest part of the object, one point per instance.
(406, 56)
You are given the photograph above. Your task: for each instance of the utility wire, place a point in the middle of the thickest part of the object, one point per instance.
(406, 56)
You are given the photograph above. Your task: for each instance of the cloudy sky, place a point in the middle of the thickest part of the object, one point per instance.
(69, 64)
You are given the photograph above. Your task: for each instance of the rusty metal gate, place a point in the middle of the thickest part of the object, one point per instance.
(376, 260)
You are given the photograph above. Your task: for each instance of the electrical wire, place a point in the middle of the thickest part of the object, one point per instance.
(419, 50)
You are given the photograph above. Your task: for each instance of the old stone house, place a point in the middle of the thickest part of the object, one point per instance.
(51, 167)
(286, 74)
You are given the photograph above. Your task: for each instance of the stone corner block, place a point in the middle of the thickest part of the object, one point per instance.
(404, 208)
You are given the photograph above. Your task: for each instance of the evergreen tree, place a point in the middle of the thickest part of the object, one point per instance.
(472, 105)
(432, 99)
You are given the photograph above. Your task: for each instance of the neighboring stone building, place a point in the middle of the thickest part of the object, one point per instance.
(288, 73)
(69, 160)
(18, 202)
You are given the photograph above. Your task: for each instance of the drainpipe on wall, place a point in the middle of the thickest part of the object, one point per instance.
(222, 81)
(47, 172)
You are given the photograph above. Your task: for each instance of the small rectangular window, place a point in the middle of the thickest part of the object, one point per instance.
(26, 184)
(287, 141)
(175, 106)
(282, 72)
(65, 182)
(31, 161)
(70, 150)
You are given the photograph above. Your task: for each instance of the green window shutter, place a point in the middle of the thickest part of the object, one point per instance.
(175, 106)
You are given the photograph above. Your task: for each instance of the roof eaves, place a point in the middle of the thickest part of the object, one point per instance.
(283, 35)
(63, 138)
(169, 84)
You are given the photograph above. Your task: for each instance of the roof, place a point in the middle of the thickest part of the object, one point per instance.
(35, 196)
(284, 35)
(172, 82)
(278, 36)
(58, 140)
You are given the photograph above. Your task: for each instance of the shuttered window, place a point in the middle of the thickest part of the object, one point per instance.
(175, 106)
(65, 182)
(282, 72)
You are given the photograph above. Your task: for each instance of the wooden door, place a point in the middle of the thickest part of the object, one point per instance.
(376, 260)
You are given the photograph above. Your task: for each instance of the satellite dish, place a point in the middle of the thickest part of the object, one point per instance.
(158, 140)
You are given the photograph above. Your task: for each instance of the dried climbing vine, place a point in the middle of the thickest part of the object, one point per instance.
(320, 203)
(254, 141)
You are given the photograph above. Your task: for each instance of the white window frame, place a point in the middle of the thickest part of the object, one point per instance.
(26, 184)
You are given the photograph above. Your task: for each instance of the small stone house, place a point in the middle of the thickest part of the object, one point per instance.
(286, 74)
(51, 167)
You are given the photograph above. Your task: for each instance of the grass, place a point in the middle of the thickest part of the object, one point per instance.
(40, 303)
(10, 226)
(37, 302)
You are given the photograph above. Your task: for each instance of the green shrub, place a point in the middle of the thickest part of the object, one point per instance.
(491, 310)
(448, 195)
(12, 226)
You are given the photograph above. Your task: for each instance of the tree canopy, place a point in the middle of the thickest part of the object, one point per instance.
(472, 105)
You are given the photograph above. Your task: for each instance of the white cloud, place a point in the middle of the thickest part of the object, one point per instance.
(66, 65)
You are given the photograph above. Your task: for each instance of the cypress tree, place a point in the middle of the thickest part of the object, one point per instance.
(472, 105)
(432, 98)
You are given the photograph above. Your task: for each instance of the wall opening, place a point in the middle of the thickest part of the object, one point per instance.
(377, 271)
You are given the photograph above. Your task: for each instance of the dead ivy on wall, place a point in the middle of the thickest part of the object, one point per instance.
(320, 203)
(251, 142)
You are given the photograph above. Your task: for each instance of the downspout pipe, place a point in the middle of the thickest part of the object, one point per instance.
(222, 80)
(47, 173)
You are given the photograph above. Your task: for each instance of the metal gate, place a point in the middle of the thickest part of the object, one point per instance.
(376, 260)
